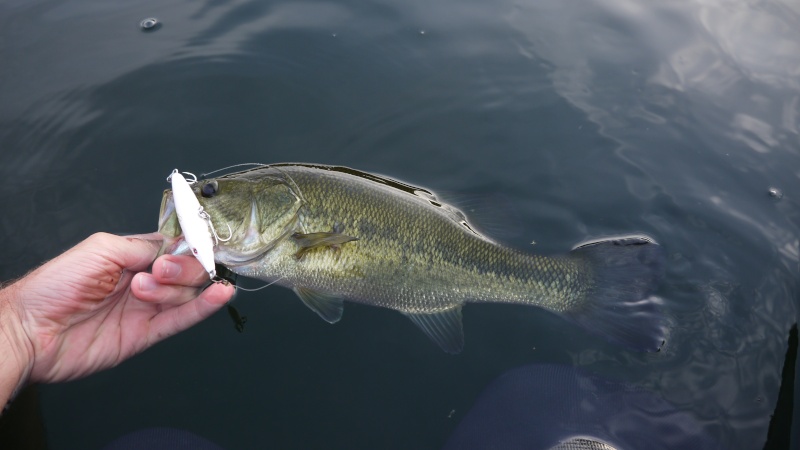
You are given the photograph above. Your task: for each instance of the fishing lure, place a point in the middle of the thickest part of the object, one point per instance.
(195, 223)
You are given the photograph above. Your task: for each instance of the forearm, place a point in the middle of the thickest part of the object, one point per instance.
(15, 352)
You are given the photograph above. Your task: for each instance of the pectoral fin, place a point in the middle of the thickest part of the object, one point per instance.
(327, 306)
(443, 327)
(310, 241)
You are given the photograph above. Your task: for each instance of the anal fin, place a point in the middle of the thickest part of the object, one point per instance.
(328, 307)
(444, 328)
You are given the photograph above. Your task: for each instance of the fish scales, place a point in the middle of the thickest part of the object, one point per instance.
(406, 243)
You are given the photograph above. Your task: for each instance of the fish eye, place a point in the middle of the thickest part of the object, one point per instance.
(209, 189)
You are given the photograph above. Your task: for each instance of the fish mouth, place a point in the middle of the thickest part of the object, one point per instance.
(237, 251)
(246, 243)
(167, 208)
(168, 224)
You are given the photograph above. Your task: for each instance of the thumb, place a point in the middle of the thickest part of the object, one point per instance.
(134, 253)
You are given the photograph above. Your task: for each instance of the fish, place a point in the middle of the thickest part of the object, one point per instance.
(335, 234)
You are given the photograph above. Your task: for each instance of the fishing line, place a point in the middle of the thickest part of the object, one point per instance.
(258, 288)
(294, 184)
(203, 175)
(299, 192)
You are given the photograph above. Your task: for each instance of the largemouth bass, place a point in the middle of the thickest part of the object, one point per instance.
(334, 233)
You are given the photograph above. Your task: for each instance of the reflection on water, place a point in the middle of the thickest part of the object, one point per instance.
(515, 412)
(672, 120)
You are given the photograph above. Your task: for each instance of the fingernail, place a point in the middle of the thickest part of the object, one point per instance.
(170, 270)
(147, 283)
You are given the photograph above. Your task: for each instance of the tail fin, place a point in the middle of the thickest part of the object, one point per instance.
(618, 305)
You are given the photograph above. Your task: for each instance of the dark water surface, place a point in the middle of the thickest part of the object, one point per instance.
(574, 120)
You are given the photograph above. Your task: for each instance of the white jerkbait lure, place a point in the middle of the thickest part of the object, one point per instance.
(195, 223)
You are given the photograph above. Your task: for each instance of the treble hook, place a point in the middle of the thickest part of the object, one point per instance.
(205, 216)
(230, 233)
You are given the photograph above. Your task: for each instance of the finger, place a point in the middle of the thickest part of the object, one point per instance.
(177, 319)
(133, 253)
(154, 236)
(179, 270)
(148, 289)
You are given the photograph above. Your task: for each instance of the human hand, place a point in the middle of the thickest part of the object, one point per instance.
(92, 307)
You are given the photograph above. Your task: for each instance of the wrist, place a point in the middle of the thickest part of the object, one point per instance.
(15, 346)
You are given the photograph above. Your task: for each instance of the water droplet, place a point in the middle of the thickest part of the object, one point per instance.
(333, 34)
(775, 193)
(422, 32)
(149, 24)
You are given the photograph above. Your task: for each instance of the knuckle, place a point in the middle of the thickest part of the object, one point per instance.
(100, 238)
